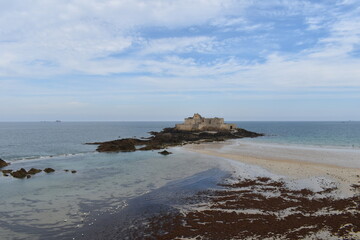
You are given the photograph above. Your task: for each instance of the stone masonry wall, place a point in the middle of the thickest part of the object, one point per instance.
(197, 123)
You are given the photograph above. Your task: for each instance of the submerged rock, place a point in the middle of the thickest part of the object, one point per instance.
(3, 163)
(49, 170)
(165, 152)
(73, 171)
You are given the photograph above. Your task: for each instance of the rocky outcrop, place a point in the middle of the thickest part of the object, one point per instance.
(49, 170)
(22, 173)
(169, 137)
(34, 171)
(3, 163)
(120, 145)
(6, 172)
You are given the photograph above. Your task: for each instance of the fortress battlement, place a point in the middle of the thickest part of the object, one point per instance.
(199, 123)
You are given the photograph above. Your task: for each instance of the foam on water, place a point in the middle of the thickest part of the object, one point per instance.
(50, 157)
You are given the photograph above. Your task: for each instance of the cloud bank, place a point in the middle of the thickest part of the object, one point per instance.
(177, 53)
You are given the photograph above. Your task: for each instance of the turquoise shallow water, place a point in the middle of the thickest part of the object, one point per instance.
(49, 204)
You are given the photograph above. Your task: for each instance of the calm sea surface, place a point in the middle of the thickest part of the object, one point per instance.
(331, 134)
(50, 204)
(24, 141)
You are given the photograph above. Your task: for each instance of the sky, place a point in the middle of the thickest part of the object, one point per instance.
(158, 60)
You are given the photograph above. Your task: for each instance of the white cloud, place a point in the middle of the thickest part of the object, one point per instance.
(54, 38)
(179, 45)
(226, 22)
(61, 37)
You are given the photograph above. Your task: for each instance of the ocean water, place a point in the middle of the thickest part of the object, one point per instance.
(317, 134)
(47, 206)
(33, 140)
(52, 206)
(26, 141)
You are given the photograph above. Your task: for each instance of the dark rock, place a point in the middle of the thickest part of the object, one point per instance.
(66, 170)
(73, 171)
(28, 176)
(49, 170)
(6, 172)
(3, 163)
(19, 173)
(165, 152)
(121, 145)
(153, 146)
(171, 137)
(33, 171)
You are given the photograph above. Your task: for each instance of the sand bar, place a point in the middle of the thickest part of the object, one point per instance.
(340, 165)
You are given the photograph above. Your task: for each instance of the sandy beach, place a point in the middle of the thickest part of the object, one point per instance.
(294, 162)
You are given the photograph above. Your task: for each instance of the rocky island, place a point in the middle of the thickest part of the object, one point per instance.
(195, 129)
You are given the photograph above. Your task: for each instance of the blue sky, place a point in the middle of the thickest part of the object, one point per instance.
(120, 60)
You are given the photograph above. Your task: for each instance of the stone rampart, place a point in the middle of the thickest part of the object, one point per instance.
(198, 123)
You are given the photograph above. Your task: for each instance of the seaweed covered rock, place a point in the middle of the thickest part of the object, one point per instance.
(3, 163)
(22, 173)
(34, 171)
(169, 137)
(6, 172)
(49, 170)
(120, 145)
(165, 152)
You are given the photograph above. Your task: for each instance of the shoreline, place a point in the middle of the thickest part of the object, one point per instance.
(193, 199)
(292, 162)
(340, 148)
(255, 200)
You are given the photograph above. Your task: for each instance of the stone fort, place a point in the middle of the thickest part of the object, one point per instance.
(199, 123)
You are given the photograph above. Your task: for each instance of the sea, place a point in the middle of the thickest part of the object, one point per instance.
(65, 205)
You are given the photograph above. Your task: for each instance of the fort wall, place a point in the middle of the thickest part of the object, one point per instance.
(198, 123)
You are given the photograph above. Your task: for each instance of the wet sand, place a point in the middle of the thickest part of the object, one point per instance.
(261, 208)
(247, 202)
(267, 206)
(339, 165)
